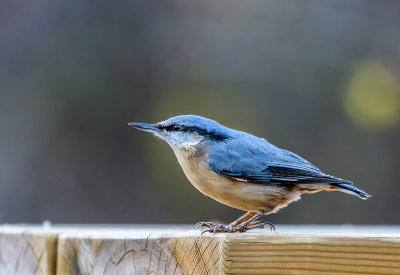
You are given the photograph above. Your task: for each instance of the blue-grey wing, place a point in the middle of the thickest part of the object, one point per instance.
(255, 160)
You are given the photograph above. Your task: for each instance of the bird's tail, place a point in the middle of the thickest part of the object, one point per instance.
(350, 189)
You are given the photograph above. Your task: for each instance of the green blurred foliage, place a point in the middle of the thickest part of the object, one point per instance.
(373, 97)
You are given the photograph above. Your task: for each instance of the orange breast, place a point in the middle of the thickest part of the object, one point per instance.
(237, 194)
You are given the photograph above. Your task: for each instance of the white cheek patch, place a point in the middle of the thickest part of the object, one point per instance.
(190, 144)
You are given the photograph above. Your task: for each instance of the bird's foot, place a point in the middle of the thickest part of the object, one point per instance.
(214, 227)
(220, 228)
(260, 225)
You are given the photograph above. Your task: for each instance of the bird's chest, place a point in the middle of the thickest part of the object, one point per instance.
(198, 173)
(237, 194)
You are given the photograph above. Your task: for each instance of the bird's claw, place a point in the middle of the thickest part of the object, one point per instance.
(213, 227)
(220, 228)
(202, 224)
(260, 225)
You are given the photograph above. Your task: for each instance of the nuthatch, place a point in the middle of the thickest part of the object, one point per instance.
(241, 170)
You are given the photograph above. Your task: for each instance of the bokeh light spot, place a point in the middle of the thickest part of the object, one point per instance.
(372, 100)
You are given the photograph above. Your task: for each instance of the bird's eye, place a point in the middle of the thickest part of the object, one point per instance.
(176, 127)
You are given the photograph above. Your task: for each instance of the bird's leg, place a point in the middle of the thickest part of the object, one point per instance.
(242, 219)
(244, 224)
(252, 223)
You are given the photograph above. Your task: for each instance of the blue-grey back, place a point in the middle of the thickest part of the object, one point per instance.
(246, 157)
(245, 152)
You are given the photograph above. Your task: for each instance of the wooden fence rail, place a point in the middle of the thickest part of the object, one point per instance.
(116, 249)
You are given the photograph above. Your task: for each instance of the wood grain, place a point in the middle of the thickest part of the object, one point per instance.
(27, 251)
(139, 253)
(311, 254)
(169, 250)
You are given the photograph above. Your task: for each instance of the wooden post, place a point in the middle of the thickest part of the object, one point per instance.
(27, 250)
(154, 250)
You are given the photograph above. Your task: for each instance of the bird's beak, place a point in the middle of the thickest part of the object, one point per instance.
(144, 127)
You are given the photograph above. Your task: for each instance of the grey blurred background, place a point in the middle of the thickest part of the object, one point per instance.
(320, 78)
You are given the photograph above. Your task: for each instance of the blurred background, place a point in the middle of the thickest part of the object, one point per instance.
(321, 79)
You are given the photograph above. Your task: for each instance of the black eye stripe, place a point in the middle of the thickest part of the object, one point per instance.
(172, 127)
(203, 132)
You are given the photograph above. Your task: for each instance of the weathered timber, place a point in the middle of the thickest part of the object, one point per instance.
(141, 253)
(170, 250)
(27, 250)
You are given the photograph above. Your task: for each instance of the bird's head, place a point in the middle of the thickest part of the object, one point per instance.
(186, 132)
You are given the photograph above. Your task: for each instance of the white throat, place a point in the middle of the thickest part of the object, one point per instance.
(188, 146)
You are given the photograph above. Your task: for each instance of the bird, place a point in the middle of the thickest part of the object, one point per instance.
(241, 170)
